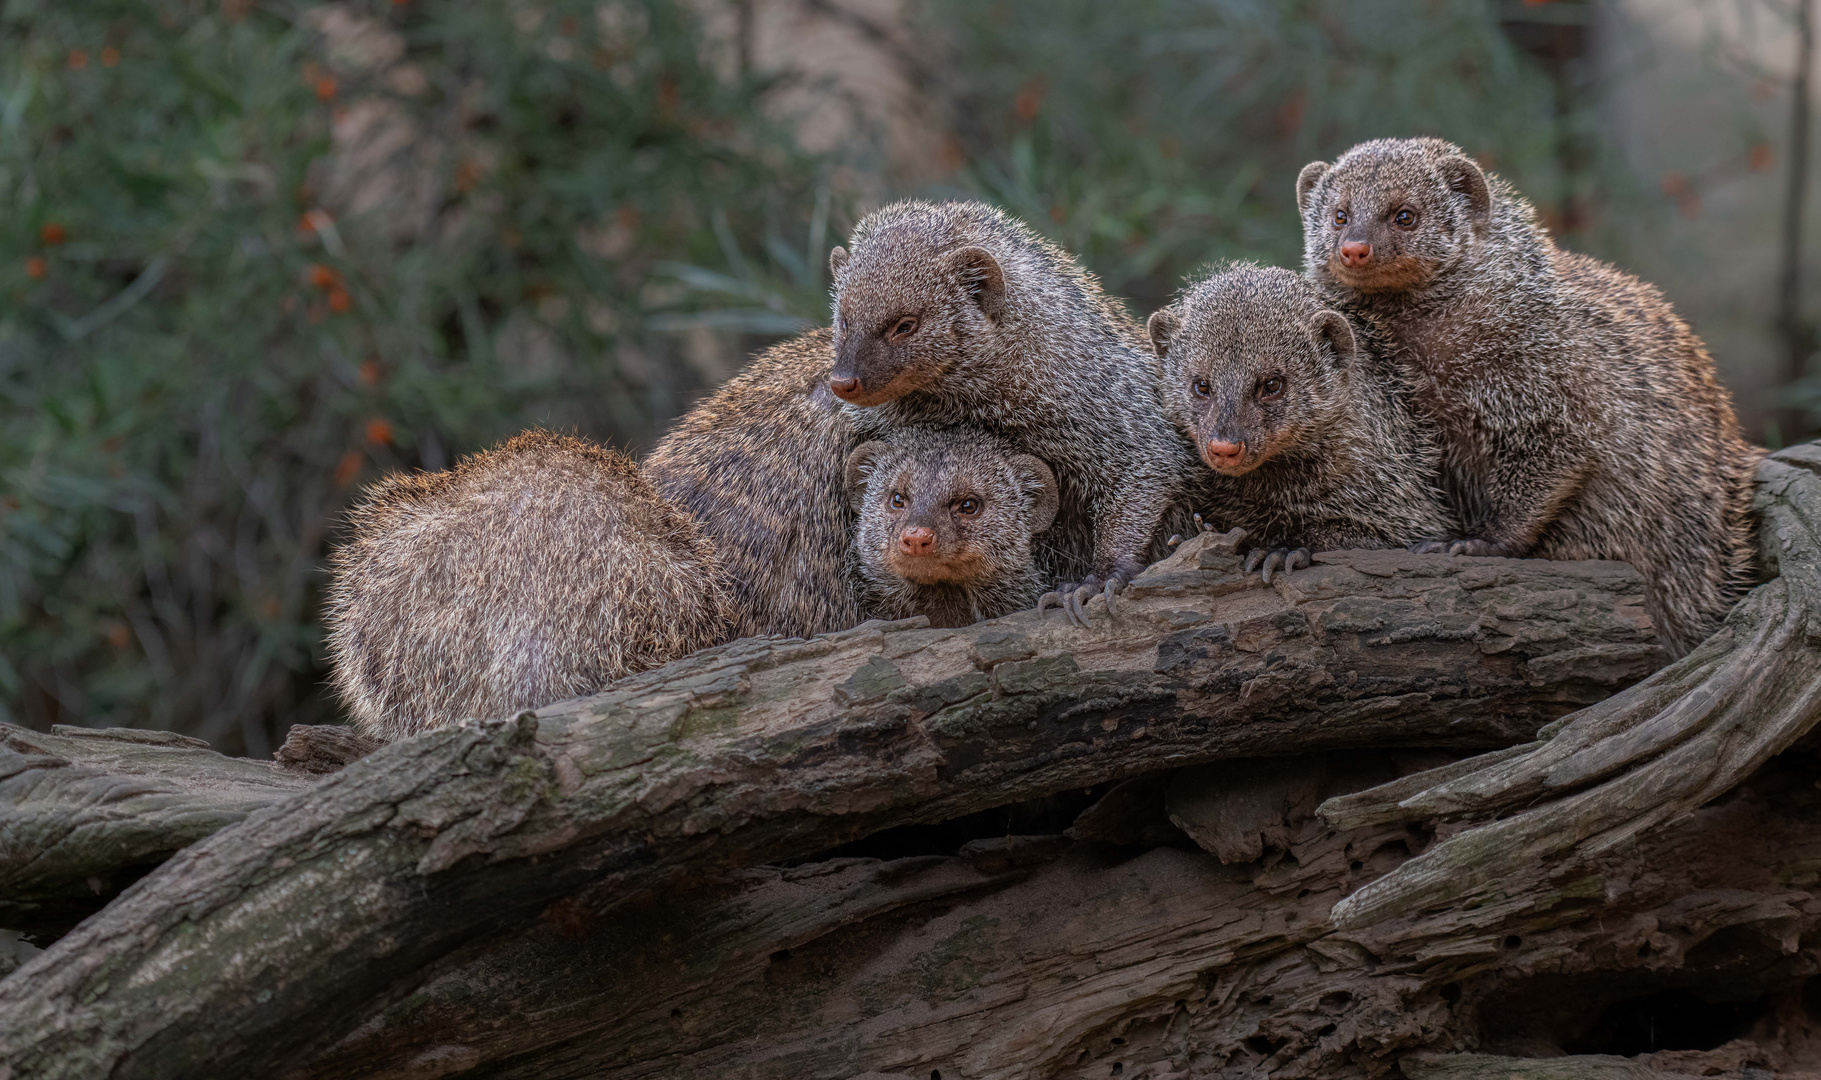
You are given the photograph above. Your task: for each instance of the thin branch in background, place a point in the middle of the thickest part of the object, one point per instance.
(1798, 335)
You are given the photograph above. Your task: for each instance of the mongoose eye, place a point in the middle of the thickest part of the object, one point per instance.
(968, 507)
(897, 500)
(1340, 218)
(905, 328)
(1202, 389)
(1404, 219)
(1271, 388)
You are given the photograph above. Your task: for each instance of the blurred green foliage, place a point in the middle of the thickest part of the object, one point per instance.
(199, 364)
(257, 253)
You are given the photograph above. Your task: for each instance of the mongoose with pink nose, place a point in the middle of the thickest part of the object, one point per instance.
(1301, 414)
(530, 573)
(953, 314)
(1579, 417)
(947, 520)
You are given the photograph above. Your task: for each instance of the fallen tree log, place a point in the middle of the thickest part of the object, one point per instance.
(254, 950)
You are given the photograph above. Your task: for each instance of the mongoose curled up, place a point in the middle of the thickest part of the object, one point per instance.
(1302, 416)
(954, 314)
(946, 520)
(759, 465)
(537, 571)
(1579, 418)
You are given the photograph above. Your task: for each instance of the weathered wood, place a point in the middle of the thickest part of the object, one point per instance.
(250, 950)
(88, 812)
(1035, 957)
(1599, 778)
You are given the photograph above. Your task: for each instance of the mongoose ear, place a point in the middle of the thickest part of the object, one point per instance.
(1332, 327)
(837, 258)
(981, 275)
(1161, 327)
(860, 462)
(1036, 474)
(1463, 174)
(1305, 183)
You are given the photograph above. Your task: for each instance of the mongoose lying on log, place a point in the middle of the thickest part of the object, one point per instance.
(537, 571)
(954, 314)
(759, 463)
(1302, 416)
(1579, 418)
(946, 523)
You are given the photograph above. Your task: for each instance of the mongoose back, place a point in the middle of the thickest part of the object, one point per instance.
(947, 520)
(759, 465)
(534, 572)
(1302, 416)
(1579, 417)
(956, 314)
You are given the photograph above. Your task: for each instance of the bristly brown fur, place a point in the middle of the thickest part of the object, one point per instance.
(1013, 337)
(530, 573)
(980, 565)
(760, 464)
(1335, 458)
(1579, 417)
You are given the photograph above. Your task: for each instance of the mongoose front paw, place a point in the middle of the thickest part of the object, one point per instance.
(1469, 546)
(1282, 558)
(1477, 547)
(1072, 598)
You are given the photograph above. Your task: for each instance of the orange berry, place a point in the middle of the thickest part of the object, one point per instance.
(339, 300)
(36, 267)
(323, 277)
(51, 233)
(78, 59)
(379, 431)
(325, 87)
(347, 468)
(110, 56)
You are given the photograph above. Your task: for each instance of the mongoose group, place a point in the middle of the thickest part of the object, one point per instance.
(984, 429)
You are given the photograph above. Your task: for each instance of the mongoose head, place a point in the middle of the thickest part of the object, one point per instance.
(945, 507)
(1255, 362)
(909, 303)
(1392, 214)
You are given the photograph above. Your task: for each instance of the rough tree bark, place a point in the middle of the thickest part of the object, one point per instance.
(651, 881)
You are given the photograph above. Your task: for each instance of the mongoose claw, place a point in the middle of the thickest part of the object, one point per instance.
(1430, 547)
(1279, 559)
(1175, 538)
(1116, 583)
(1475, 547)
(1068, 598)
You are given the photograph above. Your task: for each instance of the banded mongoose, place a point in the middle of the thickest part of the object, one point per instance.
(1579, 418)
(759, 463)
(530, 573)
(946, 525)
(955, 314)
(1303, 416)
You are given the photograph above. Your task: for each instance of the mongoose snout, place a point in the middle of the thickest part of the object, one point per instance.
(1224, 457)
(917, 541)
(1355, 253)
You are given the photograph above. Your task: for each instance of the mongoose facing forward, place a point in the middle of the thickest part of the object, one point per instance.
(946, 521)
(1302, 416)
(1578, 416)
(955, 314)
(759, 465)
(534, 572)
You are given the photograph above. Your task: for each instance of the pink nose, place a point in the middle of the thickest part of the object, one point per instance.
(844, 388)
(917, 541)
(1223, 453)
(1355, 253)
